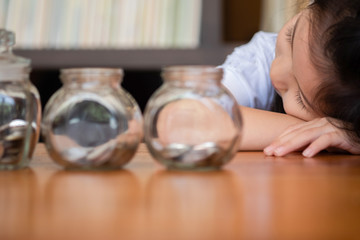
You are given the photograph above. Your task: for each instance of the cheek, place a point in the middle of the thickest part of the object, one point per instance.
(292, 108)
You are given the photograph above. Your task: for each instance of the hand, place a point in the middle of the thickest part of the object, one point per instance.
(313, 136)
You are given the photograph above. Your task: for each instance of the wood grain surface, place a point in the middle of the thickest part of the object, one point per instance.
(253, 197)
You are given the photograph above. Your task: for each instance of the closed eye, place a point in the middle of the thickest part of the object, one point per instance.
(299, 100)
(289, 34)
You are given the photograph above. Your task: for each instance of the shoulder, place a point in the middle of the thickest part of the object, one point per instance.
(266, 38)
(247, 71)
(260, 48)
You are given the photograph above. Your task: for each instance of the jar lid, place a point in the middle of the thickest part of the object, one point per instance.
(192, 72)
(12, 67)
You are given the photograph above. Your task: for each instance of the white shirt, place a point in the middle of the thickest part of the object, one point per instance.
(247, 71)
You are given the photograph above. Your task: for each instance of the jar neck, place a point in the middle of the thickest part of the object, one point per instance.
(194, 84)
(91, 78)
(14, 74)
(193, 76)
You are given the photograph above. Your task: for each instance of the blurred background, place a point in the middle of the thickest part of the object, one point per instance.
(140, 36)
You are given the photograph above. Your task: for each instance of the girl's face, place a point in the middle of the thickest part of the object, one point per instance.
(292, 73)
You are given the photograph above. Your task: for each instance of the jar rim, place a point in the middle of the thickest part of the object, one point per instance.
(193, 69)
(92, 71)
(193, 72)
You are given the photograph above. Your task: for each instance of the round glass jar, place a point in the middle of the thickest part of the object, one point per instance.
(192, 122)
(92, 122)
(20, 107)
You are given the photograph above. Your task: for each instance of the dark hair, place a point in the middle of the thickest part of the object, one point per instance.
(334, 38)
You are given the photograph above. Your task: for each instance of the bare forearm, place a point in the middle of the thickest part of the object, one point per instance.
(261, 127)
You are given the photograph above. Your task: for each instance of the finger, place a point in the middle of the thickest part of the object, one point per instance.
(323, 142)
(335, 139)
(295, 132)
(295, 140)
(294, 144)
(298, 137)
(319, 122)
(290, 143)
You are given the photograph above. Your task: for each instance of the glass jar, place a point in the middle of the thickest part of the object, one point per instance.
(192, 122)
(91, 122)
(20, 107)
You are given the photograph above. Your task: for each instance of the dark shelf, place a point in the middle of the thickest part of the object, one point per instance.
(127, 59)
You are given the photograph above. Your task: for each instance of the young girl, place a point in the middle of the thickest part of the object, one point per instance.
(315, 69)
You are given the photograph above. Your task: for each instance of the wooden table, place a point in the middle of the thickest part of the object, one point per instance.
(253, 197)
